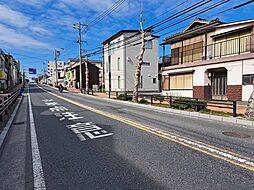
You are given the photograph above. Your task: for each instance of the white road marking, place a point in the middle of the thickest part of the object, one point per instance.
(39, 182)
(198, 145)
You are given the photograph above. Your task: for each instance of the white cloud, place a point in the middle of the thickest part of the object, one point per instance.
(40, 30)
(10, 38)
(95, 5)
(20, 21)
(34, 3)
(11, 17)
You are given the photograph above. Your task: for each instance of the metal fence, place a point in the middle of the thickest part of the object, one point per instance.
(183, 102)
(7, 102)
(219, 49)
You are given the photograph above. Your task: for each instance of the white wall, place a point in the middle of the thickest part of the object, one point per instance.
(235, 71)
(115, 53)
(248, 68)
(181, 93)
(148, 72)
(128, 60)
(52, 70)
(247, 90)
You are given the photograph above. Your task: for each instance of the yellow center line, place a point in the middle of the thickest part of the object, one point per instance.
(208, 149)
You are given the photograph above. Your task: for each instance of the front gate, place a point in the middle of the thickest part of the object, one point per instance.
(219, 86)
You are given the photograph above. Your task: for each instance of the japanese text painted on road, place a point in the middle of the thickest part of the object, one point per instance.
(82, 130)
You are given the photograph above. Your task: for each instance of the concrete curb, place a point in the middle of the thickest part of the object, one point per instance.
(6, 129)
(177, 112)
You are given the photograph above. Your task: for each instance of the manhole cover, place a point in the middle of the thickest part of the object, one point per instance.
(19, 123)
(236, 134)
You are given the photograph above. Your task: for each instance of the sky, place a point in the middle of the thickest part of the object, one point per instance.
(30, 30)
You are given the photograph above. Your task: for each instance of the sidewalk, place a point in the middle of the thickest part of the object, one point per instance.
(175, 111)
(183, 112)
(13, 151)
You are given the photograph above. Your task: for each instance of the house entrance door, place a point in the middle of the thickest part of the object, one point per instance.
(219, 86)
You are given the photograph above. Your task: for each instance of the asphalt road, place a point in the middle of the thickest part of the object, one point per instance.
(90, 143)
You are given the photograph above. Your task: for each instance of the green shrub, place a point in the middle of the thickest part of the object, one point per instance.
(158, 98)
(143, 101)
(186, 103)
(124, 97)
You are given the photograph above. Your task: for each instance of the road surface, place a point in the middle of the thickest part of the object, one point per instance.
(63, 141)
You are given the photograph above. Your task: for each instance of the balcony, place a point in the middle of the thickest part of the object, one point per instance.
(236, 46)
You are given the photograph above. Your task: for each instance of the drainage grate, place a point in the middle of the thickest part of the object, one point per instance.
(236, 134)
(19, 123)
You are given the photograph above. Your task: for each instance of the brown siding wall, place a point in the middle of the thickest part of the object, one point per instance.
(202, 92)
(234, 92)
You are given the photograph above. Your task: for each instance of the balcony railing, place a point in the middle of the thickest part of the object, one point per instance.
(221, 49)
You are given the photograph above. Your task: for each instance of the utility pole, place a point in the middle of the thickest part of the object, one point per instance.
(78, 27)
(55, 58)
(87, 75)
(139, 61)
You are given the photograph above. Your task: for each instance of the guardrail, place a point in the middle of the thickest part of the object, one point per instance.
(195, 103)
(7, 102)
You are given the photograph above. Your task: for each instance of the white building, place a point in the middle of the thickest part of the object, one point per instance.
(52, 72)
(119, 62)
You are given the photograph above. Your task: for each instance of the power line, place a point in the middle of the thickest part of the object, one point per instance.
(104, 14)
(216, 14)
(101, 50)
(149, 28)
(193, 15)
(98, 18)
(151, 20)
(178, 14)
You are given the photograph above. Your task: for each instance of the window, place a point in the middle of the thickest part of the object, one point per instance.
(146, 63)
(181, 82)
(118, 43)
(192, 52)
(175, 56)
(154, 80)
(118, 63)
(248, 79)
(148, 45)
(108, 63)
(119, 82)
(141, 82)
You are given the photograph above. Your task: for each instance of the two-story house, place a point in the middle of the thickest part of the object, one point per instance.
(210, 60)
(72, 77)
(119, 62)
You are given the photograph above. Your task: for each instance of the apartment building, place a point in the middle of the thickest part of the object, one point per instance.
(52, 72)
(119, 62)
(210, 60)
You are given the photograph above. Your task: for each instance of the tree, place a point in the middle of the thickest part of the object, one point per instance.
(250, 106)
(139, 62)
